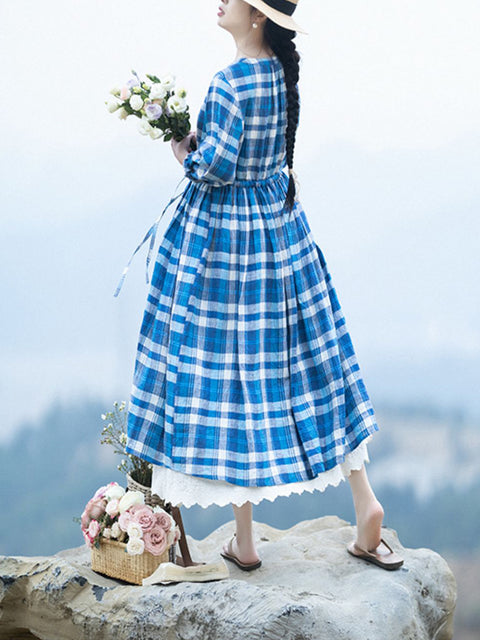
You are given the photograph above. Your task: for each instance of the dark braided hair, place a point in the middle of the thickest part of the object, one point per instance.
(280, 41)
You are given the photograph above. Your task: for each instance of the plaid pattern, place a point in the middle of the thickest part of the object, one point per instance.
(245, 370)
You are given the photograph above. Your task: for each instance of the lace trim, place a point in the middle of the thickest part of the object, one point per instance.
(186, 490)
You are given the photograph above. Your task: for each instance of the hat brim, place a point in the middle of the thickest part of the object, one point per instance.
(277, 16)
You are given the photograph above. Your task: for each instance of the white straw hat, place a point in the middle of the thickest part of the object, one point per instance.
(279, 11)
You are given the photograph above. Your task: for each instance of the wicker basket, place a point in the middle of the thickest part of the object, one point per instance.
(111, 559)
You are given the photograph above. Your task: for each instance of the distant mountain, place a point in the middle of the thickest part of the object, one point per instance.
(426, 449)
(48, 473)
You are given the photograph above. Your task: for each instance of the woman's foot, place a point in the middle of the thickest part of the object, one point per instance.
(369, 512)
(244, 550)
(369, 523)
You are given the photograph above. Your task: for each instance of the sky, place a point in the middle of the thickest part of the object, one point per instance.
(387, 155)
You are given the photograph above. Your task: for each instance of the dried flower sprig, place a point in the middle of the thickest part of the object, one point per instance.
(115, 434)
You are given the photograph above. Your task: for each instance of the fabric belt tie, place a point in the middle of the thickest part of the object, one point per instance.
(150, 234)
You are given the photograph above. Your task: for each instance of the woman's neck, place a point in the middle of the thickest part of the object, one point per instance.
(252, 50)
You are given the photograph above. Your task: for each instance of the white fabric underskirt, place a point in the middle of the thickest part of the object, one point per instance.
(181, 489)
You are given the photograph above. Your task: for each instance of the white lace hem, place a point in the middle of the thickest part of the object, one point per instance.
(186, 490)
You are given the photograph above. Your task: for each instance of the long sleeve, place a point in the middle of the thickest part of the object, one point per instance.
(222, 131)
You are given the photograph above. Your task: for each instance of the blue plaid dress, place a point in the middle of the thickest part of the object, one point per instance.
(245, 371)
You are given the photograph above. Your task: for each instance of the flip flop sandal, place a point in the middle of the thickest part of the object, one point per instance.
(389, 561)
(233, 558)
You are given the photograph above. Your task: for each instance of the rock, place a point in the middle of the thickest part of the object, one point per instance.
(308, 588)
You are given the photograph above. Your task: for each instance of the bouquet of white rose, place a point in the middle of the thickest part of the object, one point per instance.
(162, 108)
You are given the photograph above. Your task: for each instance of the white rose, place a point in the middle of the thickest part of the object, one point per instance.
(179, 105)
(115, 91)
(136, 102)
(107, 532)
(122, 113)
(168, 81)
(135, 546)
(112, 507)
(181, 92)
(114, 491)
(112, 105)
(155, 133)
(115, 530)
(130, 498)
(158, 91)
(144, 126)
(134, 530)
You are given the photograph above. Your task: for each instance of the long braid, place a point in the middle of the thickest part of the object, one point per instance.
(280, 41)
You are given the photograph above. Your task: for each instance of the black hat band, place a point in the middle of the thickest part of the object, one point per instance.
(282, 5)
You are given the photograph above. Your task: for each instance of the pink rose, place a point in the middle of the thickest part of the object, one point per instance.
(86, 513)
(100, 493)
(163, 520)
(93, 529)
(87, 538)
(85, 519)
(177, 536)
(124, 520)
(135, 507)
(155, 540)
(145, 517)
(97, 509)
(128, 515)
(94, 510)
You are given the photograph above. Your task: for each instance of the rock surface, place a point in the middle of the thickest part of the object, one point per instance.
(308, 588)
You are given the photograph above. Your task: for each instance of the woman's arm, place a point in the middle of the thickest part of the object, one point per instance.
(214, 161)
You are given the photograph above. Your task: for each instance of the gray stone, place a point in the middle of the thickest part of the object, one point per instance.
(308, 588)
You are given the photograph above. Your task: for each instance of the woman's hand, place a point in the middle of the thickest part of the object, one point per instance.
(181, 149)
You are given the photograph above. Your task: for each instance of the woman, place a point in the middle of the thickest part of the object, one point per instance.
(246, 383)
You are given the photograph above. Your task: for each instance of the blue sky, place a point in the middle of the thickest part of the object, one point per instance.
(387, 155)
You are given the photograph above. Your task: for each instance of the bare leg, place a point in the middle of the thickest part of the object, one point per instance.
(243, 545)
(369, 512)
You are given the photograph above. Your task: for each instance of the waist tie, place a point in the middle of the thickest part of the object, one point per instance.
(151, 232)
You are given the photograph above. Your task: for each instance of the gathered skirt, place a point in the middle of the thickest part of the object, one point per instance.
(245, 372)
